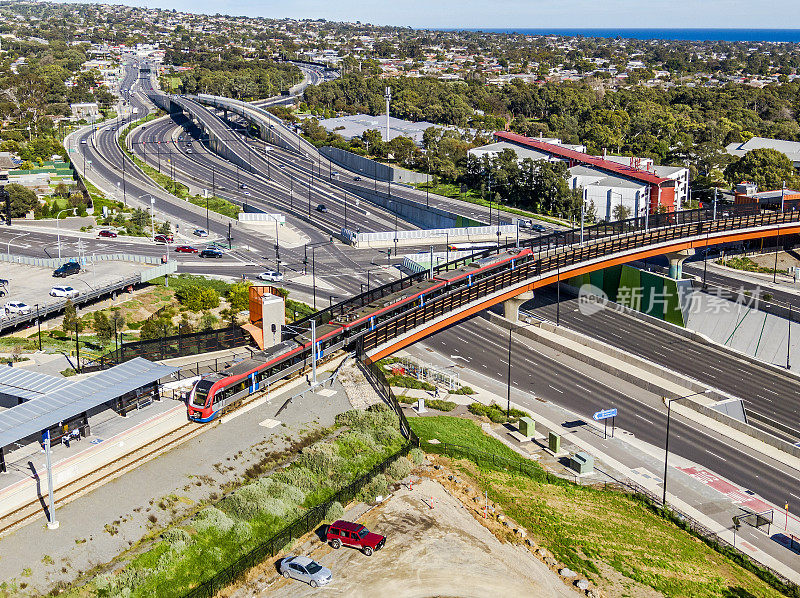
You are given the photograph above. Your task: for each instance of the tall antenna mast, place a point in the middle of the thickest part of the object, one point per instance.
(388, 97)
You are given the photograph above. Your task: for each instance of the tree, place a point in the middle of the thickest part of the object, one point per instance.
(70, 319)
(768, 168)
(103, 326)
(239, 296)
(23, 200)
(620, 212)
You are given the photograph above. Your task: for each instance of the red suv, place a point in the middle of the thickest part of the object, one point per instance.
(355, 535)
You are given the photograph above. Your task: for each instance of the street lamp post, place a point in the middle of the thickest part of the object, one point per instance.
(666, 444)
(508, 375)
(314, 277)
(39, 327)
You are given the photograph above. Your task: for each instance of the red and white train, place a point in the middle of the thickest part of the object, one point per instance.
(225, 390)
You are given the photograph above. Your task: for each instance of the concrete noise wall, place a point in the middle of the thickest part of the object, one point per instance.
(370, 168)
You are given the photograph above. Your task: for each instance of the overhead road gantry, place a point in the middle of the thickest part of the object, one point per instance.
(37, 402)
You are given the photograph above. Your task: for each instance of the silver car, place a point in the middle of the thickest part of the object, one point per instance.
(305, 569)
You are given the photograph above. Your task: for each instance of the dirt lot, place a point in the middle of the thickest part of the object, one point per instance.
(439, 551)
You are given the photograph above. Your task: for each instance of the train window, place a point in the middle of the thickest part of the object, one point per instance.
(201, 392)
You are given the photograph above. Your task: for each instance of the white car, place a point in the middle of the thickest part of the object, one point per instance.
(64, 292)
(271, 276)
(17, 307)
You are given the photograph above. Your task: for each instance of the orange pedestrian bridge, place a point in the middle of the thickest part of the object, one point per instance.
(383, 320)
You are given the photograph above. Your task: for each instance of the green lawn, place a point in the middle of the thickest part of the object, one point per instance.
(614, 539)
(472, 196)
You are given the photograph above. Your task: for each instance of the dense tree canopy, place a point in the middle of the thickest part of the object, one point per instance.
(768, 168)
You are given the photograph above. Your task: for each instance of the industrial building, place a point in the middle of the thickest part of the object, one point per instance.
(608, 181)
(791, 149)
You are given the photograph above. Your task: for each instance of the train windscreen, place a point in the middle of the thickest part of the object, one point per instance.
(201, 392)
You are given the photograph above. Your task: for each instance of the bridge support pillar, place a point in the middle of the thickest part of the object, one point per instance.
(511, 306)
(676, 260)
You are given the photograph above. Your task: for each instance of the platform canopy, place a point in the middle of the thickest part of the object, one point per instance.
(50, 400)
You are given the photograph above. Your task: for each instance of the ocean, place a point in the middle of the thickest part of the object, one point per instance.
(728, 35)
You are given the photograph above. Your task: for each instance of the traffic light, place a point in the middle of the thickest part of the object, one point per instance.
(5, 198)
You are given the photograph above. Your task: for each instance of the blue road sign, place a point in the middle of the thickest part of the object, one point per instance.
(605, 414)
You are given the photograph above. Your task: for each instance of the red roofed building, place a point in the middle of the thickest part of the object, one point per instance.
(656, 189)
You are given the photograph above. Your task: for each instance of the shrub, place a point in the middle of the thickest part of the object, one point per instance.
(322, 458)
(440, 405)
(497, 416)
(299, 476)
(377, 486)
(400, 468)
(287, 493)
(211, 517)
(242, 530)
(176, 534)
(334, 511)
(463, 390)
(197, 298)
(357, 441)
(238, 505)
(406, 400)
(417, 456)
(387, 435)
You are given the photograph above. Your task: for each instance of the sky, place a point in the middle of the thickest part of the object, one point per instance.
(473, 14)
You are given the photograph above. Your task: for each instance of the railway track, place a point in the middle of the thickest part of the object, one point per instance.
(70, 491)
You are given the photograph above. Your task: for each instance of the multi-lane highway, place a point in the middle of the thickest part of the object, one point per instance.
(765, 391)
(483, 348)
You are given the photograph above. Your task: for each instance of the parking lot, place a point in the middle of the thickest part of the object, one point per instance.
(32, 284)
(434, 547)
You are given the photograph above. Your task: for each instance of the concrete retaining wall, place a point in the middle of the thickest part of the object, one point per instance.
(370, 168)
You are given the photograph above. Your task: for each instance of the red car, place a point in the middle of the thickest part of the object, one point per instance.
(163, 239)
(185, 249)
(107, 233)
(355, 535)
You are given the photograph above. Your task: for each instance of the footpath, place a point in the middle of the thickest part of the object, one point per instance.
(705, 496)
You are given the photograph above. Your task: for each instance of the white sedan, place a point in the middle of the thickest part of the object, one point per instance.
(17, 307)
(64, 292)
(271, 276)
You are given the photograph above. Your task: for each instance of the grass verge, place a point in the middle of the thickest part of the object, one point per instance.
(453, 191)
(616, 540)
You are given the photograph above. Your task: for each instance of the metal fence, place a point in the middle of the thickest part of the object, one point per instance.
(271, 546)
(652, 500)
(178, 345)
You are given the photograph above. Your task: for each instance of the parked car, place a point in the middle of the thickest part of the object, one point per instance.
(67, 269)
(64, 292)
(199, 232)
(211, 253)
(185, 249)
(321, 208)
(305, 569)
(107, 233)
(354, 534)
(271, 276)
(17, 307)
(3, 287)
(163, 239)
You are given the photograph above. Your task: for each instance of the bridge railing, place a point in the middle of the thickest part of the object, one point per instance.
(622, 235)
